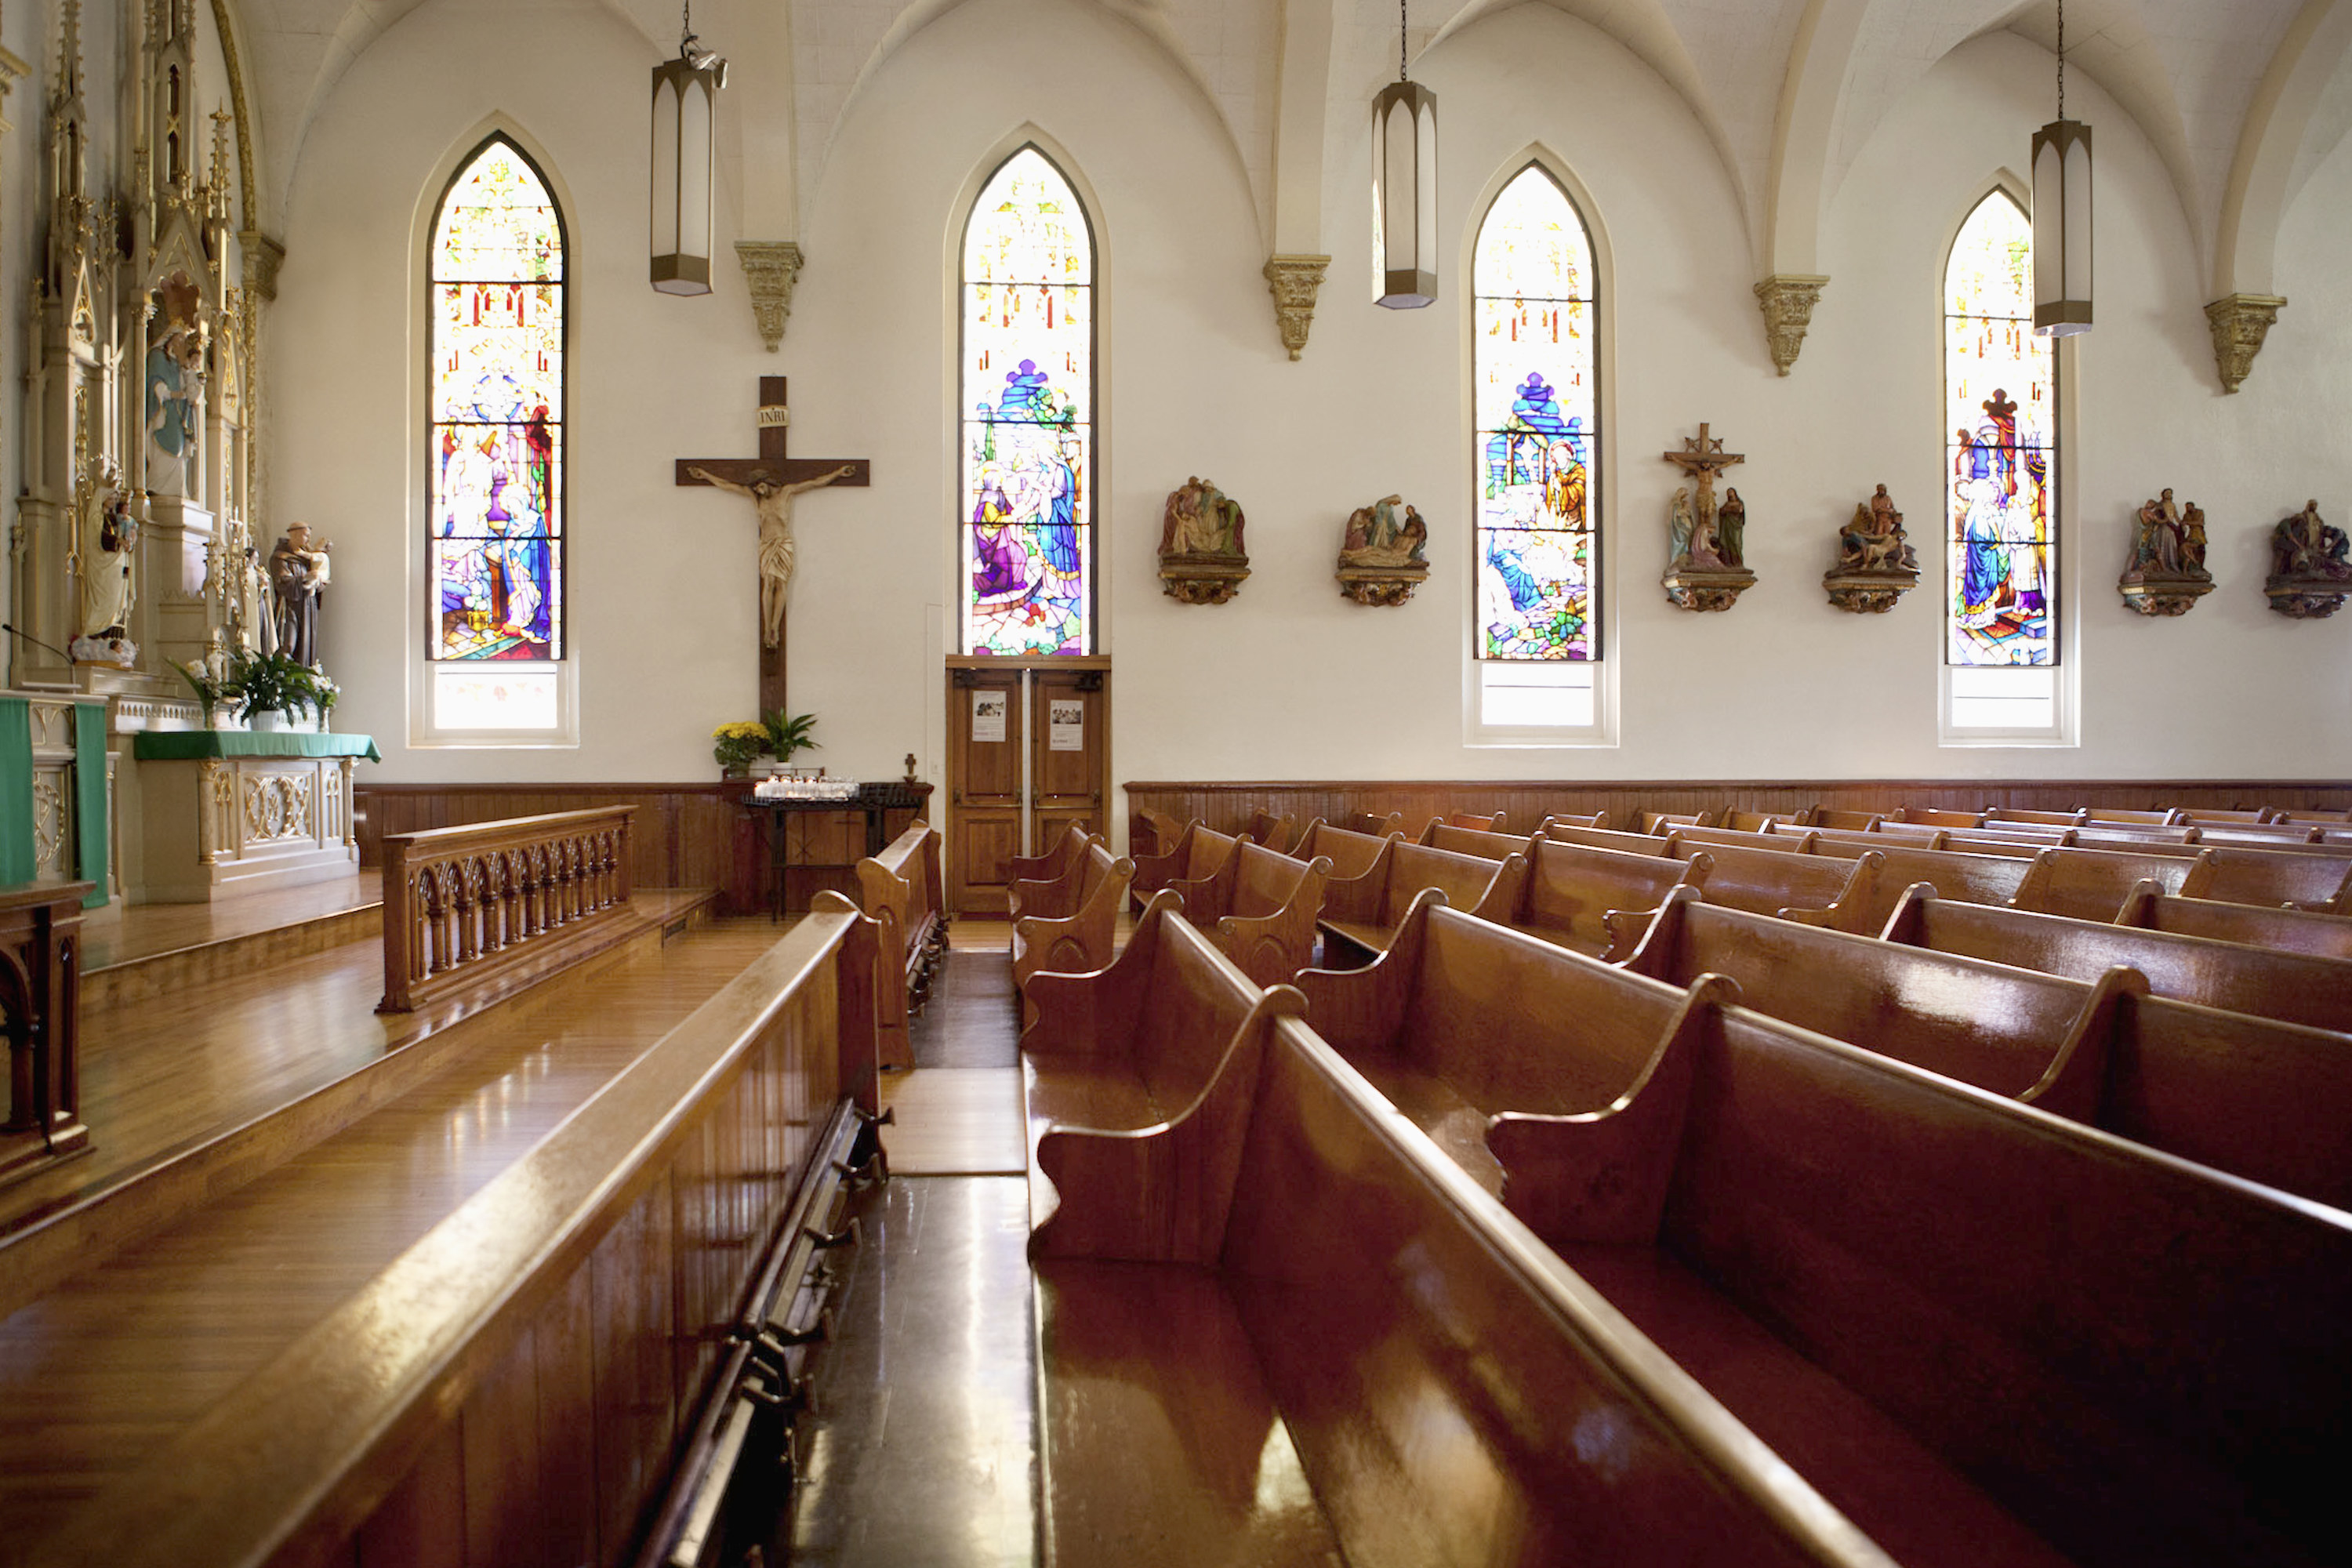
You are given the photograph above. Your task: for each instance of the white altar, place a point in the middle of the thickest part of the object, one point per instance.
(227, 812)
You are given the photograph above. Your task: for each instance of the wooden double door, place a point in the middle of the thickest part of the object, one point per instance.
(1028, 754)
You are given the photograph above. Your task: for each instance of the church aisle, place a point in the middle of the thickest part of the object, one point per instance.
(923, 1447)
(958, 1111)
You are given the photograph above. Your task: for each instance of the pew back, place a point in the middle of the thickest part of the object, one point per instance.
(1485, 845)
(1351, 854)
(1267, 922)
(2092, 884)
(1572, 888)
(1606, 838)
(2292, 931)
(2238, 876)
(1766, 881)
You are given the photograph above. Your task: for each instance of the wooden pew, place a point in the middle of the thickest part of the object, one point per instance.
(1661, 822)
(1934, 817)
(2323, 818)
(899, 890)
(2006, 815)
(1276, 833)
(1763, 821)
(1830, 816)
(1783, 840)
(1059, 856)
(1573, 889)
(2092, 884)
(2236, 876)
(2264, 982)
(1081, 941)
(1260, 911)
(1569, 819)
(1766, 881)
(2244, 815)
(1374, 825)
(1197, 853)
(1150, 832)
(1491, 822)
(1134, 1046)
(1605, 838)
(1927, 1299)
(1378, 1363)
(1058, 893)
(1993, 844)
(1885, 834)
(1485, 845)
(1351, 854)
(1978, 879)
(2292, 931)
(1363, 912)
(2162, 818)
(2020, 1033)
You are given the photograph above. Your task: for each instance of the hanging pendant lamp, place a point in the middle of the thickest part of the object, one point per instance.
(1405, 189)
(685, 94)
(2062, 216)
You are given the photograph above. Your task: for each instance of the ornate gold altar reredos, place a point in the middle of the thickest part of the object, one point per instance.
(141, 393)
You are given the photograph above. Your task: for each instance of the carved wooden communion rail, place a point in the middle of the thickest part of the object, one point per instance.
(463, 905)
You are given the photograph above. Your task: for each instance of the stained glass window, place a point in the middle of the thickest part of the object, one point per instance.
(2001, 449)
(1533, 325)
(1027, 514)
(495, 454)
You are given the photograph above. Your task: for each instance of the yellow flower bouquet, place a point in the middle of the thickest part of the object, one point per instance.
(736, 744)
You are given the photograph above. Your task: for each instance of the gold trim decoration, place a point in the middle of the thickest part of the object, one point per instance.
(771, 267)
(2239, 323)
(1787, 300)
(1294, 281)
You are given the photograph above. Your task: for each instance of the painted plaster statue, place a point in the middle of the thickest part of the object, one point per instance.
(1731, 529)
(299, 573)
(1375, 537)
(110, 537)
(1681, 526)
(776, 547)
(173, 381)
(2306, 545)
(2192, 537)
(1873, 540)
(2158, 548)
(1200, 520)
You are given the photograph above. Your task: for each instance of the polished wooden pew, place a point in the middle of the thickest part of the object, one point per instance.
(1060, 892)
(1561, 832)
(1978, 879)
(2231, 875)
(1662, 822)
(2246, 816)
(1197, 853)
(1767, 881)
(1150, 832)
(1276, 833)
(1986, 1333)
(1784, 839)
(1476, 822)
(1484, 843)
(1351, 854)
(1082, 939)
(1571, 819)
(1936, 817)
(1884, 833)
(900, 889)
(2016, 1032)
(1361, 914)
(1260, 908)
(2092, 884)
(1062, 853)
(2292, 931)
(1970, 843)
(2162, 818)
(2264, 982)
(1573, 890)
(1374, 824)
(1337, 1346)
(2005, 815)
(1831, 817)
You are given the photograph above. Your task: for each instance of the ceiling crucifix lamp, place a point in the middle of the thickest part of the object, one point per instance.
(2062, 216)
(1405, 189)
(685, 95)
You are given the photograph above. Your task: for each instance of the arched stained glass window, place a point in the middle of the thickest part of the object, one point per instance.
(1536, 458)
(2000, 449)
(1028, 415)
(495, 453)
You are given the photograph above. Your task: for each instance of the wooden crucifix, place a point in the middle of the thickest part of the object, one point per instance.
(771, 480)
(1702, 458)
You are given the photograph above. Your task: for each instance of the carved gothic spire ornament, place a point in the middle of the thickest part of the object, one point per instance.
(771, 267)
(2239, 323)
(1787, 299)
(1294, 281)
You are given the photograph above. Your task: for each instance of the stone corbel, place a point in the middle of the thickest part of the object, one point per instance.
(1295, 280)
(770, 267)
(263, 257)
(2239, 323)
(1787, 299)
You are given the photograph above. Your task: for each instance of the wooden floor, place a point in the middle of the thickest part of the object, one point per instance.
(114, 1372)
(117, 935)
(161, 1076)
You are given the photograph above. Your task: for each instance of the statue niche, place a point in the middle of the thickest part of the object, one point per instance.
(1383, 560)
(1875, 565)
(2167, 572)
(2310, 571)
(1202, 560)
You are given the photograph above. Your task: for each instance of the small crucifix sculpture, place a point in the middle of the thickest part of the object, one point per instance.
(1707, 567)
(771, 480)
(1702, 458)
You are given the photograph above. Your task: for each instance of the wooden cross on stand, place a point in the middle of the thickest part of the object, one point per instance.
(780, 477)
(1702, 458)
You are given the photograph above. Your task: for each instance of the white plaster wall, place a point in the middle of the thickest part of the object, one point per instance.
(1290, 681)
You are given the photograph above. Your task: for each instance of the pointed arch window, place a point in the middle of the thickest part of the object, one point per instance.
(2001, 481)
(1536, 458)
(1027, 427)
(495, 535)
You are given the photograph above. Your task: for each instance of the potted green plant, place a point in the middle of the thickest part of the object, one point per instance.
(787, 736)
(270, 685)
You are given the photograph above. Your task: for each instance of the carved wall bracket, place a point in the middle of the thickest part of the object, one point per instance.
(2239, 323)
(1690, 588)
(1294, 281)
(1787, 299)
(771, 267)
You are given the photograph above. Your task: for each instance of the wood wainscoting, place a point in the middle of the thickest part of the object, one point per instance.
(1526, 802)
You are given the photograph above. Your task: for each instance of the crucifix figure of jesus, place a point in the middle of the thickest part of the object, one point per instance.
(769, 481)
(1702, 458)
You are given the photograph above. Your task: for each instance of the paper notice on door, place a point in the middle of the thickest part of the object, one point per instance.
(1069, 731)
(988, 715)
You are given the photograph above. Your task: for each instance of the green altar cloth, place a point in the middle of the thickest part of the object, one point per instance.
(167, 745)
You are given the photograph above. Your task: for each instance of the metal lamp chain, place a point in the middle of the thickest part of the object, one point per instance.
(2062, 59)
(1403, 74)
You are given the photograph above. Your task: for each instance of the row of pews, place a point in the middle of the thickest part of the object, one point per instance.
(1832, 1192)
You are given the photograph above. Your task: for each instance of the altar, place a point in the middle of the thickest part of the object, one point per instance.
(228, 811)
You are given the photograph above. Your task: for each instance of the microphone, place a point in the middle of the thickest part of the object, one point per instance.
(37, 642)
